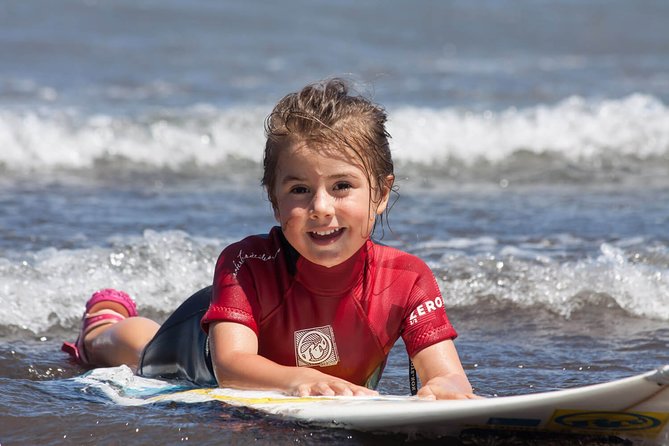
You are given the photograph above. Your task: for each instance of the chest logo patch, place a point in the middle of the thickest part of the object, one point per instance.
(316, 347)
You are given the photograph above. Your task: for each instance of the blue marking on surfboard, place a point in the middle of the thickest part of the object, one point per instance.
(149, 391)
(144, 391)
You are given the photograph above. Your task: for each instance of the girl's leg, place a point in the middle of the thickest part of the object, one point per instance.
(111, 333)
(120, 343)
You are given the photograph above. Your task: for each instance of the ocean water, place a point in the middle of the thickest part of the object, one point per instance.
(531, 141)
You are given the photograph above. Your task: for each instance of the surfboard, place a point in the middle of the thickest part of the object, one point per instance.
(637, 406)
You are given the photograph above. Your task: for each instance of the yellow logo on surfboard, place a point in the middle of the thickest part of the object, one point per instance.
(636, 423)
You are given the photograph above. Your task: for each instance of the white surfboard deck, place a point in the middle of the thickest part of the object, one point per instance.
(632, 407)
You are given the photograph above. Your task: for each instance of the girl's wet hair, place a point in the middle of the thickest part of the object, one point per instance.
(325, 116)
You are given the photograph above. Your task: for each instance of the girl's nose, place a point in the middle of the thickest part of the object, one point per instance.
(322, 205)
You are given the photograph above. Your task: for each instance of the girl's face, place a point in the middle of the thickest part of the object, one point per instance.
(323, 204)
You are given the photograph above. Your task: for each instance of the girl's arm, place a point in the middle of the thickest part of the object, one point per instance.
(234, 354)
(439, 369)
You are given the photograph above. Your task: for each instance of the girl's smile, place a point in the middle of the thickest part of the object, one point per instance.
(326, 237)
(324, 203)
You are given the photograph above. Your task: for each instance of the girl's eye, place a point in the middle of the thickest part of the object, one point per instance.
(299, 190)
(343, 186)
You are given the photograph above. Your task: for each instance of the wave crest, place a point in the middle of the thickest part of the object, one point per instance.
(575, 137)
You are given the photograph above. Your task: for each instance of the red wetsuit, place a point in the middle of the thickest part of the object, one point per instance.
(343, 319)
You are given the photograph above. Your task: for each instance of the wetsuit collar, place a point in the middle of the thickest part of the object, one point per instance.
(336, 280)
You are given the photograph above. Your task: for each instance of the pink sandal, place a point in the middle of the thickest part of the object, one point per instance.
(100, 317)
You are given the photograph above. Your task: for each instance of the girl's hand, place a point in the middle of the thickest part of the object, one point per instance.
(325, 385)
(443, 388)
(439, 369)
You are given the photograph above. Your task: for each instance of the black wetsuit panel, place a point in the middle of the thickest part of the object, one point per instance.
(180, 348)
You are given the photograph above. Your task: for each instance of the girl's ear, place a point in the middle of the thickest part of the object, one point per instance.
(386, 187)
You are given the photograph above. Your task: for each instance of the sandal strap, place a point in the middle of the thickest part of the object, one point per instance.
(102, 317)
(90, 321)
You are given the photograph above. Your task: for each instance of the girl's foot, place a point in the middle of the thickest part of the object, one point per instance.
(105, 307)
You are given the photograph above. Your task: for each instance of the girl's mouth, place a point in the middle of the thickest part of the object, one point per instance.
(327, 235)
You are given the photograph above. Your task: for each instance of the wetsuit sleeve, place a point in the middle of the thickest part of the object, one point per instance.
(234, 297)
(426, 322)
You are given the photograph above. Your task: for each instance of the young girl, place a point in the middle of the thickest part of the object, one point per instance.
(313, 307)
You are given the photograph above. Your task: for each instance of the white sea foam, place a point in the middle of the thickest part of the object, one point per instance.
(200, 136)
(160, 269)
(575, 128)
(49, 288)
(580, 131)
(625, 275)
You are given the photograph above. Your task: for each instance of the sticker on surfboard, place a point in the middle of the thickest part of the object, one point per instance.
(639, 423)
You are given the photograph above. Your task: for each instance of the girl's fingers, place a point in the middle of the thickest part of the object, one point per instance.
(364, 391)
(340, 388)
(325, 389)
(332, 388)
